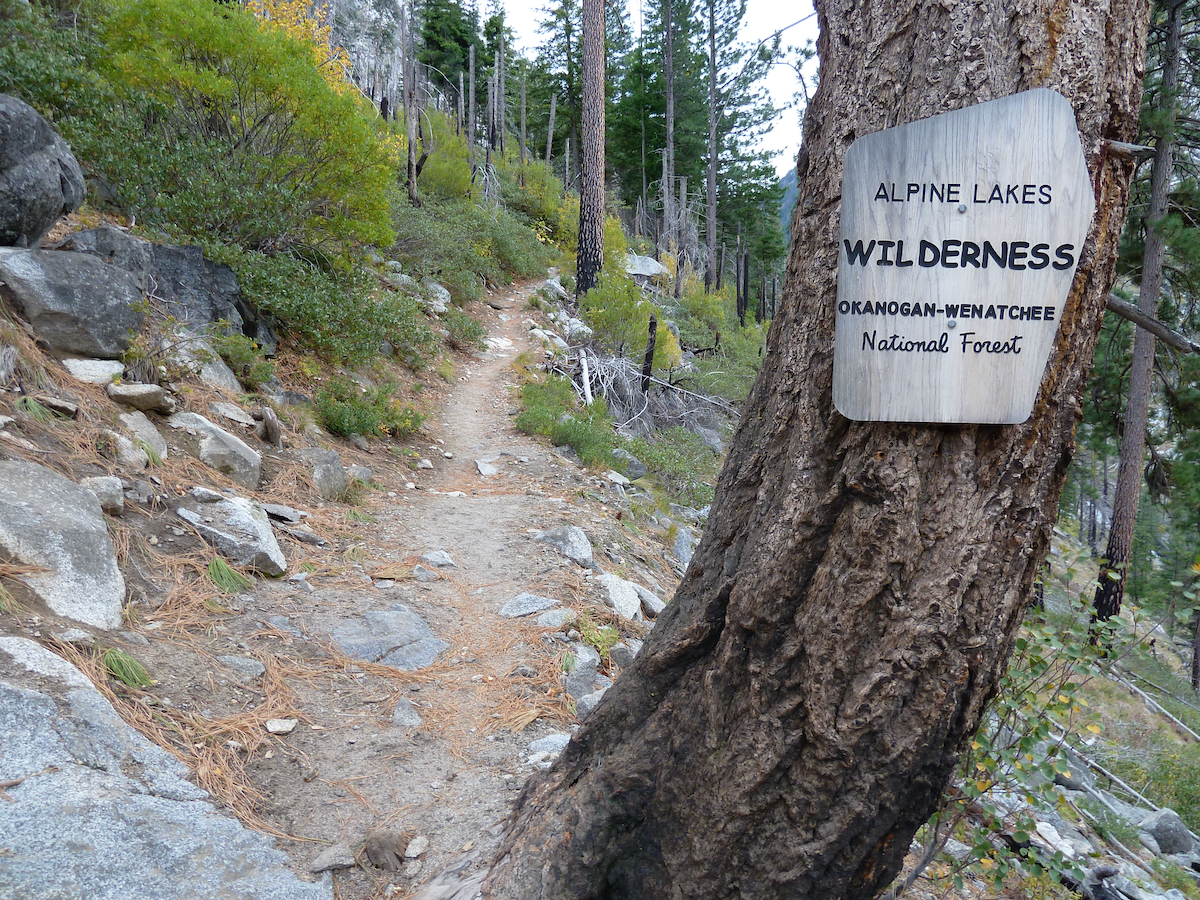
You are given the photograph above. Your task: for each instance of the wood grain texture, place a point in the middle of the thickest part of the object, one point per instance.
(985, 208)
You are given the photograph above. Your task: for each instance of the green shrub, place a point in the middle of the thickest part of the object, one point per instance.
(338, 310)
(123, 667)
(550, 408)
(446, 174)
(347, 408)
(227, 579)
(685, 466)
(245, 358)
(463, 331)
(227, 129)
(620, 319)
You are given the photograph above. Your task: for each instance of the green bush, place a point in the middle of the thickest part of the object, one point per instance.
(465, 246)
(685, 466)
(620, 319)
(550, 408)
(244, 357)
(347, 408)
(226, 129)
(337, 309)
(463, 331)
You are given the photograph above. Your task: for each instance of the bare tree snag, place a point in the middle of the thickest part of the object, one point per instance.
(591, 175)
(550, 129)
(648, 359)
(800, 705)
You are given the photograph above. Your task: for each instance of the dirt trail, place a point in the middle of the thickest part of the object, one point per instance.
(348, 769)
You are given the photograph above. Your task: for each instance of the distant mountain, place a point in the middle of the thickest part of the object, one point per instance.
(790, 191)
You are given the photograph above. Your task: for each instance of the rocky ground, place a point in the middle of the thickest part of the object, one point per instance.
(377, 707)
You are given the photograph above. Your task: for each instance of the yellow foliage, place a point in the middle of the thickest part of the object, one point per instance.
(308, 24)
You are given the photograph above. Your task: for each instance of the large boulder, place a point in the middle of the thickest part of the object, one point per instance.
(239, 529)
(77, 304)
(53, 524)
(216, 447)
(98, 811)
(328, 474)
(196, 291)
(39, 177)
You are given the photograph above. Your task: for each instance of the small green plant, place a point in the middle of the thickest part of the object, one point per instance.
(34, 410)
(244, 356)
(358, 517)
(601, 637)
(550, 408)
(463, 331)
(445, 369)
(8, 603)
(347, 408)
(123, 667)
(227, 579)
(684, 465)
(150, 452)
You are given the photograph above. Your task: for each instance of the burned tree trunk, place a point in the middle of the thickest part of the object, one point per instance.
(591, 176)
(801, 704)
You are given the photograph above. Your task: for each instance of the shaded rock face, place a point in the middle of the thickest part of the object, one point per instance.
(77, 304)
(241, 531)
(218, 448)
(56, 525)
(196, 291)
(106, 814)
(40, 181)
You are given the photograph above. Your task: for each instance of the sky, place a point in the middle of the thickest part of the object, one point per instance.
(763, 17)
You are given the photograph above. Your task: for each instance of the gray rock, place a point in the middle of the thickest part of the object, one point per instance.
(109, 491)
(127, 454)
(284, 624)
(580, 682)
(439, 559)
(94, 371)
(328, 475)
(526, 604)
(586, 656)
(144, 432)
(711, 437)
(241, 531)
(617, 478)
(416, 847)
(395, 637)
(54, 524)
(339, 856)
(551, 743)
(245, 665)
(194, 353)
(625, 652)
(645, 266)
(424, 575)
(40, 181)
(406, 715)
(118, 248)
(218, 448)
(651, 605)
(1169, 831)
(437, 298)
(620, 595)
(115, 817)
(304, 536)
(685, 546)
(554, 288)
(283, 513)
(556, 618)
(570, 541)
(634, 467)
(77, 304)
(232, 412)
(584, 705)
(360, 473)
(485, 469)
(151, 397)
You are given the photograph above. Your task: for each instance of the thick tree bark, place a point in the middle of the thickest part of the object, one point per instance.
(1114, 571)
(591, 194)
(801, 704)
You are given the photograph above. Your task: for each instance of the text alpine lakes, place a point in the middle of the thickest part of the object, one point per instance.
(958, 254)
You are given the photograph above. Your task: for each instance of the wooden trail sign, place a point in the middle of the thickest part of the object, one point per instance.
(960, 237)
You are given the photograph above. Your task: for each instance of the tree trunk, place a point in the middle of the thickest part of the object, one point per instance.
(681, 259)
(550, 131)
(411, 112)
(501, 94)
(799, 707)
(669, 146)
(524, 152)
(471, 109)
(710, 186)
(1114, 569)
(648, 359)
(591, 175)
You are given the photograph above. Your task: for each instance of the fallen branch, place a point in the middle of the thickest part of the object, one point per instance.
(13, 782)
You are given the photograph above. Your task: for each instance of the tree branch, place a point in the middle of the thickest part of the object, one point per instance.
(1158, 329)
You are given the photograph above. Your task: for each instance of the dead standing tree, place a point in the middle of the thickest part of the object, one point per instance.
(801, 704)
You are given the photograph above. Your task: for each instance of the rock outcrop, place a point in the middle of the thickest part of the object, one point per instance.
(40, 181)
